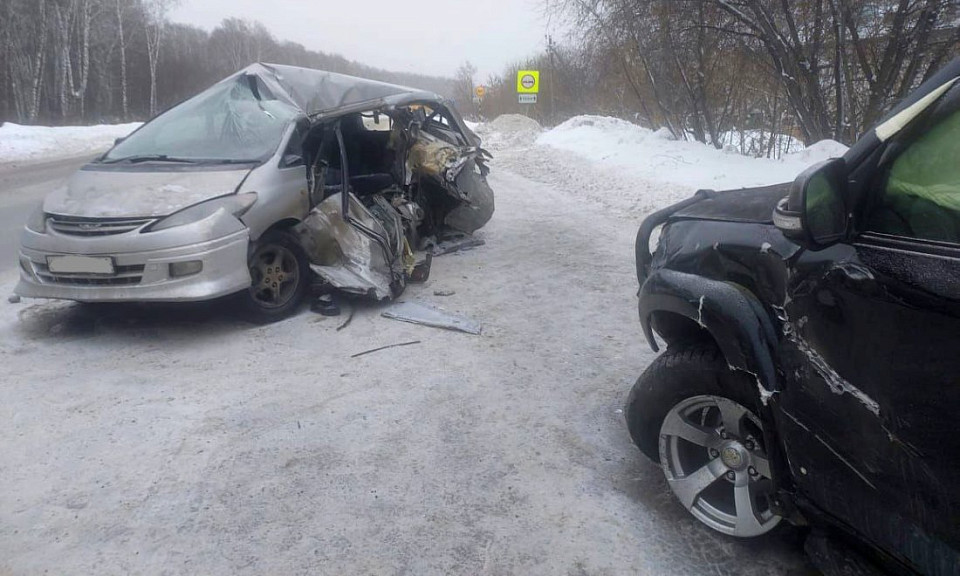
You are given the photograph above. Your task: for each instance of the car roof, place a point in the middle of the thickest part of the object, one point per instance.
(318, 92)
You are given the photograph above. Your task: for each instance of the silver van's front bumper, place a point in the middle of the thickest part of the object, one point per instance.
(142, 264)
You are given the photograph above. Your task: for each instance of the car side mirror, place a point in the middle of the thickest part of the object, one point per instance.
(291, 160)
(815, 214)
(119, 140)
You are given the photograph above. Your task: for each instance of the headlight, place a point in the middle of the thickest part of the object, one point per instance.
(37, 221)
(238, 204)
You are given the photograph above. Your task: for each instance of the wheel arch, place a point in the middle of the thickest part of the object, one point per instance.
(284, 224)
(686, 307)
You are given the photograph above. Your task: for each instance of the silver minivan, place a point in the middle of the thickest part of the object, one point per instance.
(273, 176)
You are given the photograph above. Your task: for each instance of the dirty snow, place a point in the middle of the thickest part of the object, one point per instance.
(19, 143)
(174, 439)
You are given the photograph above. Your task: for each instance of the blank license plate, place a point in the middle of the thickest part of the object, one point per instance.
(80, 265)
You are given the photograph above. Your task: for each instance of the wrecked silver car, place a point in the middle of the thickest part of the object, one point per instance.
(248, 187)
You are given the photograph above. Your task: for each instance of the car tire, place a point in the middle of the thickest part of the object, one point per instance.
(280, 278)
(697, 418)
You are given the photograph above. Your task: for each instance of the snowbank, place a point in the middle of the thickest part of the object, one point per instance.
(18, 143)
(654, 156)
(509, 131)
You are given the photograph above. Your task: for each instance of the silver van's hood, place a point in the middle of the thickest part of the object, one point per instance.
(91, 193)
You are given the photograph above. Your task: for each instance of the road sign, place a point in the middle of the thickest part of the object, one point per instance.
(528, 82)
(528, 98)
(481, 91)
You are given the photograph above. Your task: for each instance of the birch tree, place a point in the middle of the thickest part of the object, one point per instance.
(156, 21)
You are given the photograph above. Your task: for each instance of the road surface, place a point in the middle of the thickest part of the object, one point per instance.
(177, 440)
(22, 188)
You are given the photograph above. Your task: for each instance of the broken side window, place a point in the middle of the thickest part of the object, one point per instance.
(921, 198)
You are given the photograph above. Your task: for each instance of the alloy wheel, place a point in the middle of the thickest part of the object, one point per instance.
(711, 450)
(276, 275)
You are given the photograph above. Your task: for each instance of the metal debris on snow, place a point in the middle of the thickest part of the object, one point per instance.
(427, 315)
(455, 245)
(385, 348)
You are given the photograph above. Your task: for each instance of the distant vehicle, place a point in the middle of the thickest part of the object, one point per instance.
(241, 190)
(812, 370)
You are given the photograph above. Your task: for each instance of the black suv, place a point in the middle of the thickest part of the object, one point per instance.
(812, 369)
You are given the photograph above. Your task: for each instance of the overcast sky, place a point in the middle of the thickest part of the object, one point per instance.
(426, 36)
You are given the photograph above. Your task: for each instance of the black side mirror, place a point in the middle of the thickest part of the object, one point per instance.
(815, 214)
(119, 140)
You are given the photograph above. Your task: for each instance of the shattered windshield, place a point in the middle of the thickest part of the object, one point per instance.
(233, 121)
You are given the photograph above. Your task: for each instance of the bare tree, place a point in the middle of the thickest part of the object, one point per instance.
(156, 20)
(124, 99)
(72, 60)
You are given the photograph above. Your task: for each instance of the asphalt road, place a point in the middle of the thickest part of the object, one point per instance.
(22, 188)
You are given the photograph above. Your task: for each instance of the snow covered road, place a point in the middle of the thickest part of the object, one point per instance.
(22, 188)
(176, 440)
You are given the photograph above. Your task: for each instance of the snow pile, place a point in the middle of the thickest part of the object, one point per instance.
(757, 143)
(19, 143)
(509, 131)
(615, 144)
(822, 150)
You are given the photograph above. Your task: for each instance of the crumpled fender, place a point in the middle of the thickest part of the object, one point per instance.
(736, 320)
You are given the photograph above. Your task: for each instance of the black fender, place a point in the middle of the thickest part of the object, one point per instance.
(734, 318)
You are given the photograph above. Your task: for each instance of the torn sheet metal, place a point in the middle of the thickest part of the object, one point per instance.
(343, 256)
(478, 206)
(429, 315)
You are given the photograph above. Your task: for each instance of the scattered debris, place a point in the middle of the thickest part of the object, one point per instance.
(421, 271)
(444, 293)
(353, 310)
(385, 348)
(427, 315)
(456, 244)
(13, 299)
(326, 306)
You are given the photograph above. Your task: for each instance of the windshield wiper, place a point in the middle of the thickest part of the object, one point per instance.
(231, 161)
(150, 158)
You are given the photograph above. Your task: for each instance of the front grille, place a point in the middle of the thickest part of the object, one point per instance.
(124, 276)
(75, 226)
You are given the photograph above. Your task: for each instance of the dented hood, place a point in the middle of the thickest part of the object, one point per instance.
(745, 205)
(92, 193)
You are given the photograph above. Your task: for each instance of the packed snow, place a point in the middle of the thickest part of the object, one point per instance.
(139, 439)
(22, 143)
(627, 168)
(654, 155)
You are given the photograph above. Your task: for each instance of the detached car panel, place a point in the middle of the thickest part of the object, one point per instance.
(834, 304)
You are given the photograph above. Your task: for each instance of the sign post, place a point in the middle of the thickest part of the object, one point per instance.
(528, 86)
(478, 93)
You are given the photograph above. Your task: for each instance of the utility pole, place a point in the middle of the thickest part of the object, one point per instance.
(553, 72)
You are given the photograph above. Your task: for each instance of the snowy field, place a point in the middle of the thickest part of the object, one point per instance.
(24, 143)
(176, 440)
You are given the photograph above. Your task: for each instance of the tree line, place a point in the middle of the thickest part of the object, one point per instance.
(706, 69)
(98, 61)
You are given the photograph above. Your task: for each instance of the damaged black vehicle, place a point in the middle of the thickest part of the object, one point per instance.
(812, 331)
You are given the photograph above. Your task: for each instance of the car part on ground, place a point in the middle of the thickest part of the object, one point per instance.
(429, 315)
